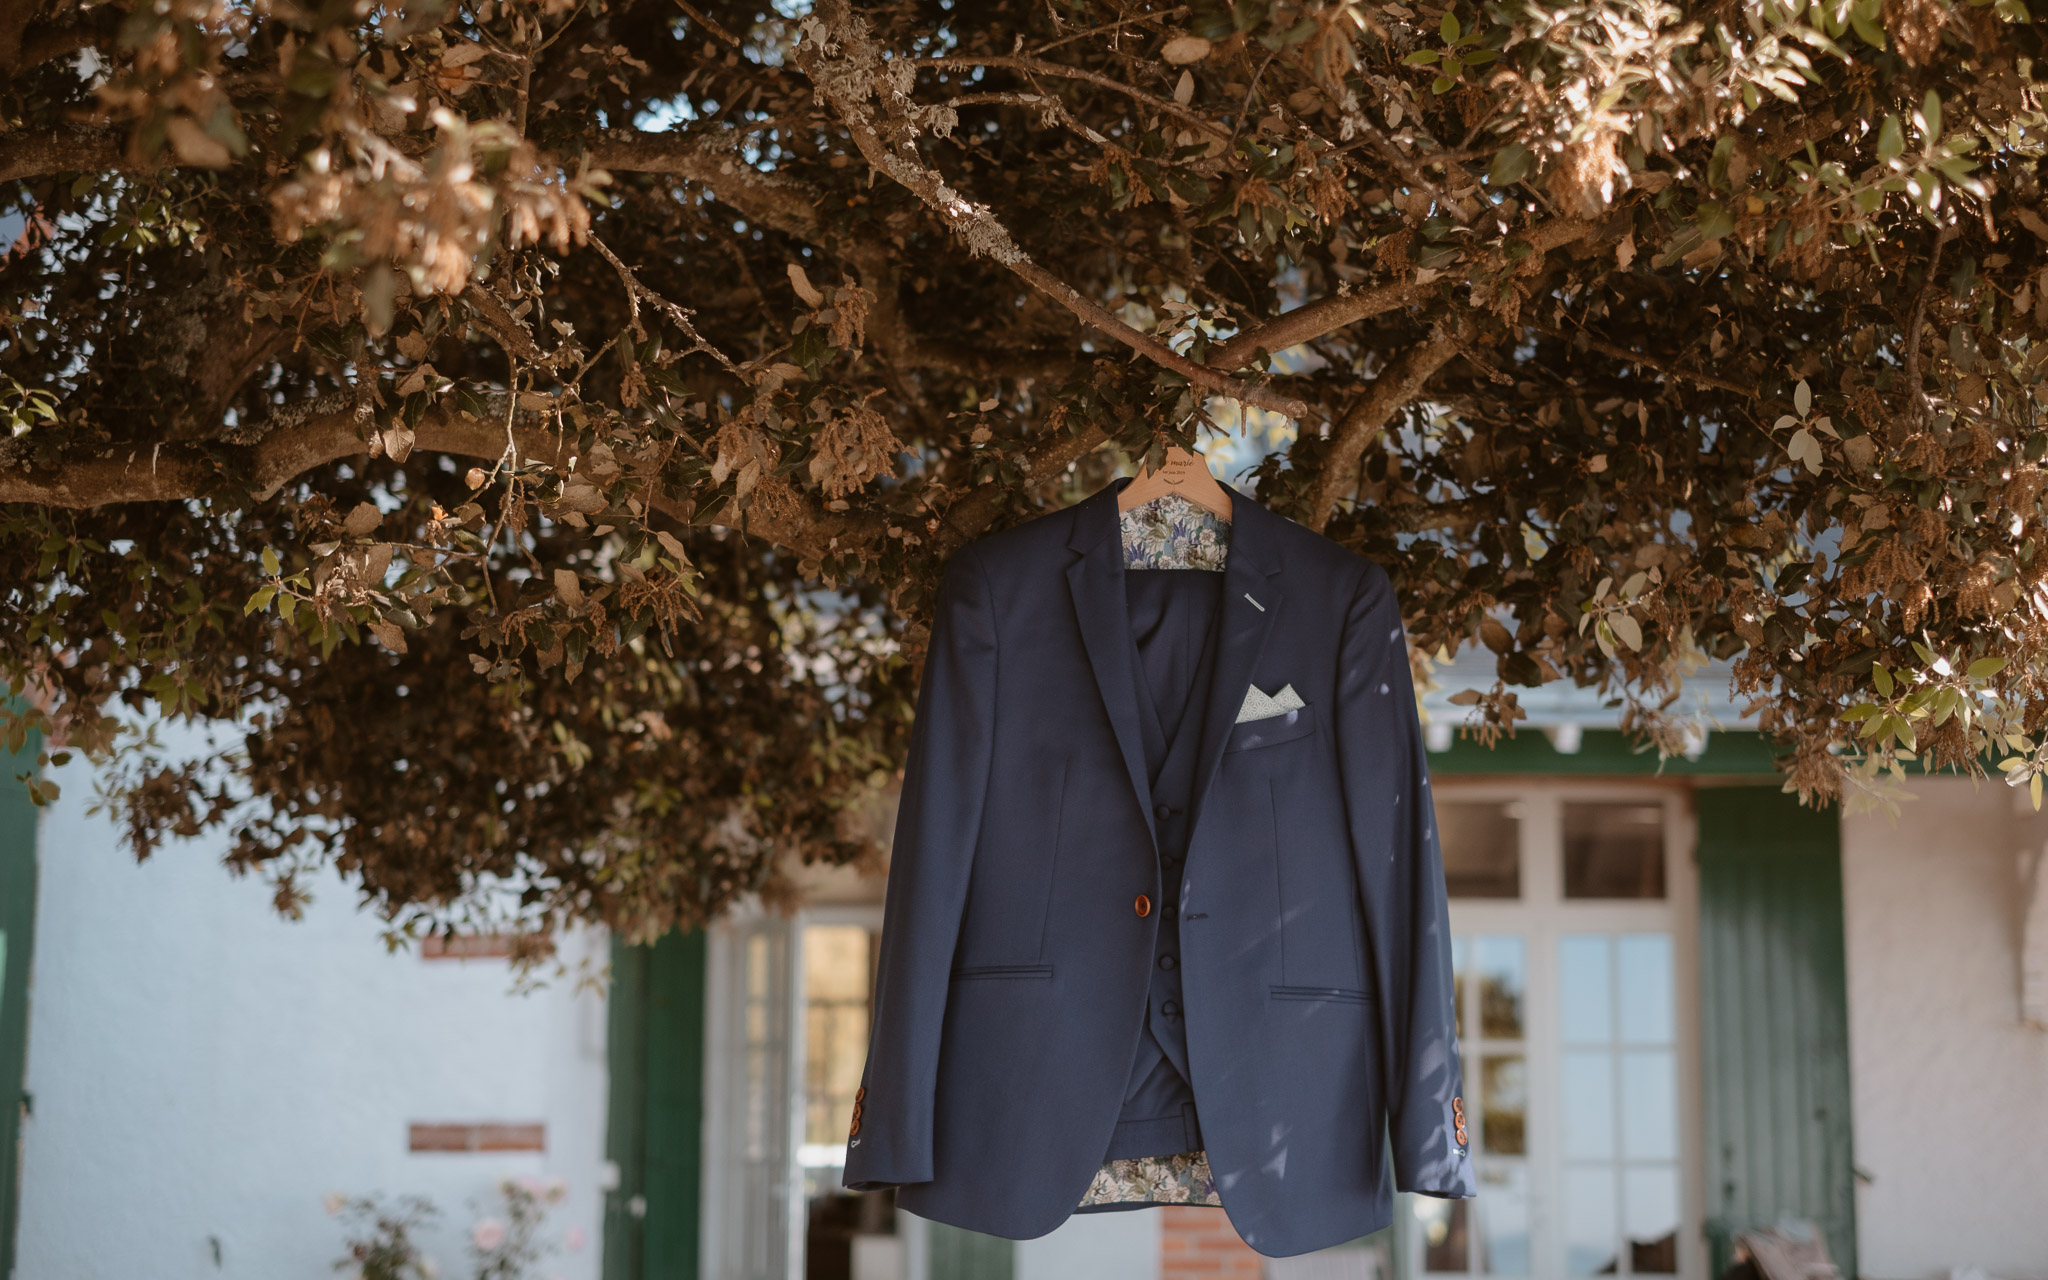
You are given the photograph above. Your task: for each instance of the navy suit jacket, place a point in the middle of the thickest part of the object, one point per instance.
(1017, 938)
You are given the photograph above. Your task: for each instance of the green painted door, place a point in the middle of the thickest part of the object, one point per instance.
(17, 939)
(1774, 1024)
(655, 1130)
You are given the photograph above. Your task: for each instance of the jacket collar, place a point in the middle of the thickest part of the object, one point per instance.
(1251, 600)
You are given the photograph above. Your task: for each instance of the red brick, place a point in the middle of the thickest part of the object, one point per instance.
(531, 1136)
(523, 1135)
(439, 1137)
(466, 946)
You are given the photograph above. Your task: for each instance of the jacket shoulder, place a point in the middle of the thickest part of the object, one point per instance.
(1332, 564)
(1021, 544)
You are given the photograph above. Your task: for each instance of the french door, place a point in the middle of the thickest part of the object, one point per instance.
(1572, 910)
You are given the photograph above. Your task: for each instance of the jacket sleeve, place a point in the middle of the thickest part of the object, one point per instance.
(1392, 822)
(938, 816)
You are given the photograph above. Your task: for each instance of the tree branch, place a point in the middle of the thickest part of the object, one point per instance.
(175, 472)
(711, 156)
(1040, 66)
(1318, 318)
(1581, 339)
(35, 153)
(1399, 383)
(857, 73)
(48, 41)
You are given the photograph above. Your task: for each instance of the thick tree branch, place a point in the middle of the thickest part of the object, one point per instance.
(35, 153)
(711, 156)
(48, 41)
(1398, 384)
(1318, 318)
(176, 472)
(849, 71)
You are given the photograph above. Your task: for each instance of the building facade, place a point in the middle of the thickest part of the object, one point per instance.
(1689, 1007)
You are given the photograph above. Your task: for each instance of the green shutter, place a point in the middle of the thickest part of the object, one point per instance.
(956, 1254)
(17, 944)
(656, 1124)
(1774, 1024)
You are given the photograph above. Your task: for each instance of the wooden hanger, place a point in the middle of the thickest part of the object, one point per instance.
(1184, 473)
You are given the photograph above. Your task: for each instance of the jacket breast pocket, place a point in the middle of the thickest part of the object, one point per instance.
(1250, 735)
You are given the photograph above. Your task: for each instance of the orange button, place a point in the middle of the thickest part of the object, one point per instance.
(1143, 906)
(860, 1094)
(855, 1129)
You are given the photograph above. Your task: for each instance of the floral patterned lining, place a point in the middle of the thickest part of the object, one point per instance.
(1181, 1179)
(1170, 532)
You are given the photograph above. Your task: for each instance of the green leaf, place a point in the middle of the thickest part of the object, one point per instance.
(1421, 58)
(1717, 164)
(1802, 398)
(1883, 679)
(1714, 221)
(1983, 668)
(270, 564)
(1930, 114)
(1449, 28)
(1891, 140)
(260, 600)
(2034, 791)
(1511, 164)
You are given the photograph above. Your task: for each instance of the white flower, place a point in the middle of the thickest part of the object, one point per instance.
(487, 1234)
(334, 1202)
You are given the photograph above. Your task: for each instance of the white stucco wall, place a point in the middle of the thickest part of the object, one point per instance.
(203, 1070)
(1951, 1091)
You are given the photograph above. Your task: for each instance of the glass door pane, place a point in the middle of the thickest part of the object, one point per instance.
(1618, 1103)
(1490, 1235)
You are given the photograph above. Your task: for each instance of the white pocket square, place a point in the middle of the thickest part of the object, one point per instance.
(1262, 706)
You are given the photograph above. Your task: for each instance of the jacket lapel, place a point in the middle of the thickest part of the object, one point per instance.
(1251, 600)
(1096, 579)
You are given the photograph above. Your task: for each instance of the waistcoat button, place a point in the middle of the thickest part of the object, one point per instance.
(1143, 906)
(1164, 810)
(1170, 1009)
(1166, 962)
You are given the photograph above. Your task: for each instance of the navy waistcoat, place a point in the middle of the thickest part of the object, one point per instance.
(1172, 616)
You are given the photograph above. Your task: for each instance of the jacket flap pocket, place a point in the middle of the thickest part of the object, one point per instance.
(1322, 993)
(1285, 727)
(1003, 971)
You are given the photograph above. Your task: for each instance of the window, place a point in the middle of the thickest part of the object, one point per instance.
(1571, 923)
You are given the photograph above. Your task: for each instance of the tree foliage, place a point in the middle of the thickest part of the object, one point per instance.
(529, 430)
